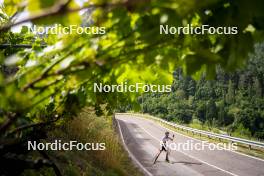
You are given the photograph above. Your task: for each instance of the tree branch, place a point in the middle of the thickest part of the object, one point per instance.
(53, 165)
(3, 46)
(45, 72)
(11, 118)
(23, 127)
(57, 10)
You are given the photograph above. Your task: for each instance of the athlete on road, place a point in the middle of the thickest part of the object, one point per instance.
(164, 146)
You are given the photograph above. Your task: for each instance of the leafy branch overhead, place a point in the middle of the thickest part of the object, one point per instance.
(48, 76)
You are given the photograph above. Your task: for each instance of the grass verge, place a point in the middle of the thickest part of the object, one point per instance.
(88, 128)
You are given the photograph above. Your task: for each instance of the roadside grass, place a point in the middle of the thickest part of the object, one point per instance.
(256, 152)
(195, 124)
(88, 128)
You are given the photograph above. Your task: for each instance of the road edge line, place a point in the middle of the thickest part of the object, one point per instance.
(195, 158)
(130, 153)
(239, 153)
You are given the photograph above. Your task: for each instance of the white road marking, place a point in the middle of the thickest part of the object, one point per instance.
(131, 154)
(239, 153)
(190, 155)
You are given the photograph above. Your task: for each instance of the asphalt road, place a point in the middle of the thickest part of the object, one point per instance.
(142, 139)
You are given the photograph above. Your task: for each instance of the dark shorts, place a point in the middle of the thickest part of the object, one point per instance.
(163, 148)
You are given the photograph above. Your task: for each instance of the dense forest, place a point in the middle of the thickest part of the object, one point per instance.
(232, 101)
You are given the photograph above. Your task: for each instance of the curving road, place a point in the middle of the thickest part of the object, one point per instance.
(142, 136)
